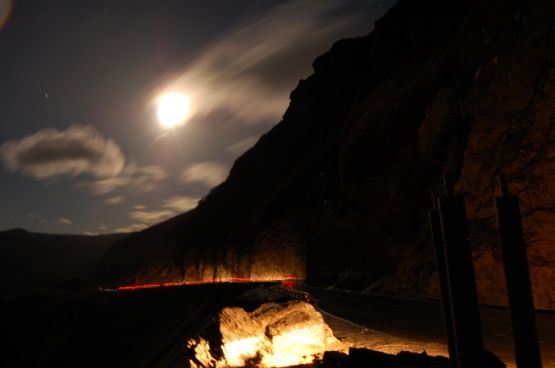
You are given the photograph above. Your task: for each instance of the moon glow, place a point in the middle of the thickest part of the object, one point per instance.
(173, 109)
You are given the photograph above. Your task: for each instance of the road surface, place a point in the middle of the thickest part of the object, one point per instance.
(393, 324)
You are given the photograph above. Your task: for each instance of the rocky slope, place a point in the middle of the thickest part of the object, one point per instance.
(462, 86)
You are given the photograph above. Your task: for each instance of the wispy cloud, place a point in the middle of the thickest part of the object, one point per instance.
(140, 178)
(108, 185)
(114, 200)
(209, 173)
(50, 153)
(171, 207)
(151, 217)
(131, 228)
(102, 229)
(241, 146)
(38, 218)
(250, 72)
(181, 204)
(64, 221)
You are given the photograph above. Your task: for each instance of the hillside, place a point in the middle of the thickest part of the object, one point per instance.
(32, 261)
(337, 192)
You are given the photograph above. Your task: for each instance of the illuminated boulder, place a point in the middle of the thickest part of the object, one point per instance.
(274, 335)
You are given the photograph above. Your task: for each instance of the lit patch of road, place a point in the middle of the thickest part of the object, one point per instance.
(391, 324)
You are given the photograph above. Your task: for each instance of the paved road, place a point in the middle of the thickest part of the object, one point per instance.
(421, 321)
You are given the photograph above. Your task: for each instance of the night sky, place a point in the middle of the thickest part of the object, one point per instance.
(81, 144)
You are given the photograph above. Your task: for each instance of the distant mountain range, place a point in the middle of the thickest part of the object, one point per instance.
(31, 262)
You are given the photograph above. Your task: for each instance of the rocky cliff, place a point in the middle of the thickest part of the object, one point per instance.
(337, 192)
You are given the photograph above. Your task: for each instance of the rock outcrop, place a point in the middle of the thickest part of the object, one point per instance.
(338, 190)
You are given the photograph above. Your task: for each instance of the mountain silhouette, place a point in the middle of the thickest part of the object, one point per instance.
(337, 192)
(31, 262)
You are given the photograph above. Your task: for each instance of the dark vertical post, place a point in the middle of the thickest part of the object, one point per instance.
(517, 277)
(437, 245)
(460, 275)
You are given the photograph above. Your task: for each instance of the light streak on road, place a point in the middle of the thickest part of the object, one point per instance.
(287, 281)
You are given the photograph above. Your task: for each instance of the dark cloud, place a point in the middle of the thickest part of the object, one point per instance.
(50, 152)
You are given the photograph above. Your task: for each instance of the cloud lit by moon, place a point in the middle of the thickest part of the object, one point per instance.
(247, 74)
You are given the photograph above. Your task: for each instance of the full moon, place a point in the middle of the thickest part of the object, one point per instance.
(173, 109)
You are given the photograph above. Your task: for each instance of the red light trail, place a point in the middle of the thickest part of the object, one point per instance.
(288, 281)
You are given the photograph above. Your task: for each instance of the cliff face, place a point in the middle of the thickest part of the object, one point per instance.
(464, 86)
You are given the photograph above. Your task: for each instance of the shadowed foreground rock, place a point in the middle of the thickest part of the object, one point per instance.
(375, 359)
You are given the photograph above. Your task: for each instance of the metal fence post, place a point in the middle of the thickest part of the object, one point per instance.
(460, 275)
(517, 277)
(437, 245)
